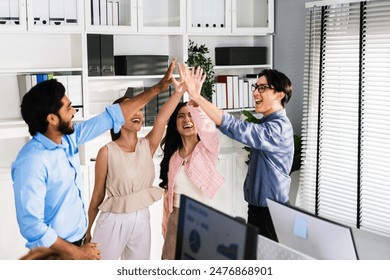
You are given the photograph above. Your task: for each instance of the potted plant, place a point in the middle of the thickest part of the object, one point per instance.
(197, 56)
(297, 143)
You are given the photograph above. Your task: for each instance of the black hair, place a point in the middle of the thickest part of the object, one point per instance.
(280, 82)
(115, 136)
(169, 144)
(40, 101)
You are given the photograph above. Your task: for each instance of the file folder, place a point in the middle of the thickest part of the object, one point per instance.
(103, 12)
(70, 12)
(13, 12)
(115, 12)
(197, 13)
(93, 49)
(218, 13)
(95, 13)
(107, 55)
(41, 12)
(4, 12)
(75, 90)
(56, 12)
(125, 13)
(63, 80)
(109, 12)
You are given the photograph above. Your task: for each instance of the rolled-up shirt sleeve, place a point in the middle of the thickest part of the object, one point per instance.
(112, 117)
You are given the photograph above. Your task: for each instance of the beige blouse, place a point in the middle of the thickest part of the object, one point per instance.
(130, 176)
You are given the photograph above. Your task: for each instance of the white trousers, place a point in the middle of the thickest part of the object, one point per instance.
(123, 236)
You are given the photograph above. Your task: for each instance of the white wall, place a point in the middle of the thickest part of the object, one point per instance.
(289, 52)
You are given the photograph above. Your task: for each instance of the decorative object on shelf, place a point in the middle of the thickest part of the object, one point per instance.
(240, 55)
(129, 65)
(297, 143)
(197, 57)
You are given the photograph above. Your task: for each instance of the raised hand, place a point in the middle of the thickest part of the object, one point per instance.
(168, 77)
(194, 80)
(179, 85)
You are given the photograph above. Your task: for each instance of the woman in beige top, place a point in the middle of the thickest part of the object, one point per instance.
(125, 171)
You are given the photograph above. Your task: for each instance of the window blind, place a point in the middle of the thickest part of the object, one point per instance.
(375, 146)
(345, 174)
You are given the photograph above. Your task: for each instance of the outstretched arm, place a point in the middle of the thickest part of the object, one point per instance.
(193, 78)
(157, 132)
(129, 107)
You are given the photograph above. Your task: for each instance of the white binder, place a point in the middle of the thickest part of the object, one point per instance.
(4, 12)
(14, 17)
(41, 12)
(95, 17)
(103, 12)
(74, 90)
(56, 12)
(115, 12)
(70, 12)
(109, 12)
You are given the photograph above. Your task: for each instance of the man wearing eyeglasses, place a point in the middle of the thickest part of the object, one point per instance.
(271, 142)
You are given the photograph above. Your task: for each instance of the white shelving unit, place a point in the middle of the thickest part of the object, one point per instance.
(164, 27)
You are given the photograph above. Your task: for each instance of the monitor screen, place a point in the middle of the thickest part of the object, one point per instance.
(315, 236)
(205, 233)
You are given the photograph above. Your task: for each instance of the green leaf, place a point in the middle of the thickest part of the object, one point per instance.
(197, 57)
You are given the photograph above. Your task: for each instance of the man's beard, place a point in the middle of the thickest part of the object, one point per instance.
(65, 128)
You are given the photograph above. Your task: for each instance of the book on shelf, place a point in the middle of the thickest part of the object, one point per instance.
(251, 81)
(228, 81)
(246, 93)
(236, 92)
(219, 95)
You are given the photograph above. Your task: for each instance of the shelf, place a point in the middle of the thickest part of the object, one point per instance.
(13, 128)
(121, 78)
(232, 67)
(239, 110)
(17, 71)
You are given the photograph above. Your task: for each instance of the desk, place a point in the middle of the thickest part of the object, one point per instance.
(268, 249)
(371, 246)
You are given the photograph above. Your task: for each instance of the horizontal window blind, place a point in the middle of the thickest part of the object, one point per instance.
(339, 114)
(375, 146)
(306, 196)
(345, 173)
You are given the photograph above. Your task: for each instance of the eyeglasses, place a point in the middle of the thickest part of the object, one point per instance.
(260, 88)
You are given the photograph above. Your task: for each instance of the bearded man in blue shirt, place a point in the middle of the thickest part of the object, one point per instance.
(49, 195)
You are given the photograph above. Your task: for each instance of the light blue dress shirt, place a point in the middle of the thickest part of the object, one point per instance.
(272, 152)
(48, 185)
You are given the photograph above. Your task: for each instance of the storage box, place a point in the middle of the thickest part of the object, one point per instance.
(240, 55)
(141, 64)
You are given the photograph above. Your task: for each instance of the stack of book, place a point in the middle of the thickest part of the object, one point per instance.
(233, 92)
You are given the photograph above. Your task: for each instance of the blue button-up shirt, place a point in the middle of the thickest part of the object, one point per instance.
(272, 152)
(48, 185)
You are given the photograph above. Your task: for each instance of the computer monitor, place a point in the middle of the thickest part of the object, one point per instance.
(204, 233)
(315, 236)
